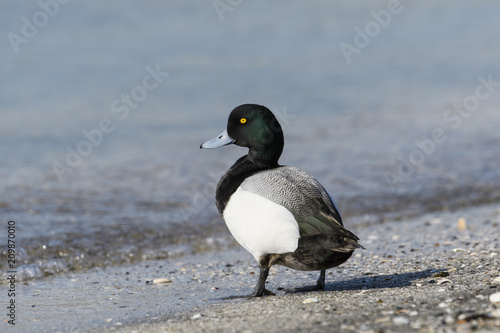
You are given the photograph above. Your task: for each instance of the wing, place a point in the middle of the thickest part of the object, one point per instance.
(303, 196)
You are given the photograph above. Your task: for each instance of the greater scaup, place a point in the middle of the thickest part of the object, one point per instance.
(280, 214)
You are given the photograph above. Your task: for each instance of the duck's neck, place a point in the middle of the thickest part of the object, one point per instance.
(266, 151)
(264, 159)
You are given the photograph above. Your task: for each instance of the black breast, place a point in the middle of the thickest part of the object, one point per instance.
(232, 179)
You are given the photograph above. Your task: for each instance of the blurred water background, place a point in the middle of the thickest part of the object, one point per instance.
(393, 106)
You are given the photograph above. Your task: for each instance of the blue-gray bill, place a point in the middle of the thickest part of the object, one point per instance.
(222, 139)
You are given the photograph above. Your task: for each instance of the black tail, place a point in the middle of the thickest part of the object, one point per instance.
(335, 243)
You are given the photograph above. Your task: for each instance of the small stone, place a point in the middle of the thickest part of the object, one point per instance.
(461, 224)
(495, 298)
(467, 317)
(382, 319)
(496, 280)
(400, 320)
(108, 320)
(347, 327)
(443, 281)
(496, 313)
(196, 316)
(162, 281)
(310, 300)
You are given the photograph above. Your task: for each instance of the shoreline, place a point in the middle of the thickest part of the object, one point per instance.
(421, 274)
(59, 254)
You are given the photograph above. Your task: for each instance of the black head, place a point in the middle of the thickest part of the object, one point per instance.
(253, 126)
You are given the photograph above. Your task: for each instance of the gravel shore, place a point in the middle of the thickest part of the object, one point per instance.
(434, 273)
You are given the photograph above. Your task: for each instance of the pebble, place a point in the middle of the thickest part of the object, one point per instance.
(196, 316)
(347, 327)
(442, 281)
(461, 224)
(161, 281)
(400, 320)
(495, 298)
(496, 280)
(382, 319)
(310, 300)
(459, 250)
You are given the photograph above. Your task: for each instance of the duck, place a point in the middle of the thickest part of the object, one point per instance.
(278, 213)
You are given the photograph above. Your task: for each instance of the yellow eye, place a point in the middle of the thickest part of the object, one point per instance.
(243, 120)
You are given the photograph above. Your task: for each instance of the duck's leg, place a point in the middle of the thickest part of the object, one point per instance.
(321, 280)
(260, 288)
(320, 285)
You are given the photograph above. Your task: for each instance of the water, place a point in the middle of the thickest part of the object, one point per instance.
(381, 132)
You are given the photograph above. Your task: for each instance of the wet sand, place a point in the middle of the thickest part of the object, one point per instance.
(428, 274)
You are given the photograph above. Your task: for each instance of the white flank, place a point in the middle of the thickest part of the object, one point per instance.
(260, 225)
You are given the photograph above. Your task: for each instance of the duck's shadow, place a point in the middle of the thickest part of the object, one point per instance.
(396, 280)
